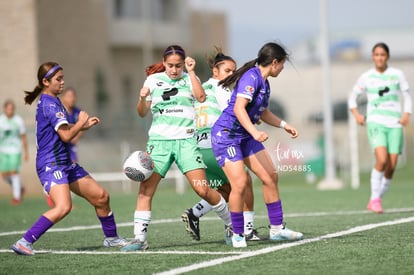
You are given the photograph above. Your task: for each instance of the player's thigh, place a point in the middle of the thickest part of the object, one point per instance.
(161, 152)
(236, 174)
(5, 164)
(88, 188)
(10, 162)
(395, 140)
(377, 135)
(215, 175)
(262, 166)
(187, 155)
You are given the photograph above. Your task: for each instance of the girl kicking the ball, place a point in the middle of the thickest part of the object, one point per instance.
(169, 93)
(57, 173)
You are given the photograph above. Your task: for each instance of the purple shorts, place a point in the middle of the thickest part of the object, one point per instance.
(235, 149)
(60, 174)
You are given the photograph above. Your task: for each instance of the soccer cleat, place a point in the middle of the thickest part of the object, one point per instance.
(192, 225)
(115, 242)
(375, 205)
(228, 234)
(285, 234)
(252, 236)
(23, 247)
(239, 241)
(15, 202)
(135, 245)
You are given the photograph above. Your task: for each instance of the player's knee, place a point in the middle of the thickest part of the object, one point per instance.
(102, 199)
(202, 192)
(62, 211)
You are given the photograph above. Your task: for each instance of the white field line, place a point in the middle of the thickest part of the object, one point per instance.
(169, 252)
(249, 254)
(162, 221)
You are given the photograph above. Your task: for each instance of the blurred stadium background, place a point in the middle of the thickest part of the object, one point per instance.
(104, 47)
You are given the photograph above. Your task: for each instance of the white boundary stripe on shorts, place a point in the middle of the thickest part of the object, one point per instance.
(291, 215)
(282, 246)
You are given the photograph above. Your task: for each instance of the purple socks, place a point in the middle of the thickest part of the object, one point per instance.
(275, 213)
(237, 221)
(108, 225)
(38, 229)
(43, 224)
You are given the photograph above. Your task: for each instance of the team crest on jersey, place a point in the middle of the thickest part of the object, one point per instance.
(249, 89)
(60, 115)
(182, 82)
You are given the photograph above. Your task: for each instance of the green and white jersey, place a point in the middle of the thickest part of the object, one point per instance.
(172, 106)
(11, 130)
(208, 112)
(384, 92)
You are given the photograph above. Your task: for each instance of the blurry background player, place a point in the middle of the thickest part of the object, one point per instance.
(237, 142)
(169, 93)
(57, 173)
(13, 143)
(385, 119)
(68, 99)
(207, 113)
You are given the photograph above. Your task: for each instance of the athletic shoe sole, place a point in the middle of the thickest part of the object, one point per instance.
(22, 250)
(187, 220)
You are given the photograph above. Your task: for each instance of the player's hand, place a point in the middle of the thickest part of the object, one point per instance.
(83, 117)
(291, 130)
(260, 136)
(93, 121)
(90, 122)
(144, 92)
(360, 119)
(405, 118)
(189, 64)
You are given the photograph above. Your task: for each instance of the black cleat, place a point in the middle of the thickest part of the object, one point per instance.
(192, 225)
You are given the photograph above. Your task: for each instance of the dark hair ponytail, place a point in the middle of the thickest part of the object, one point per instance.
(159, 67)
(269, 52)
(46, 70)
(216, 60)
(31, 96)
(233, 78)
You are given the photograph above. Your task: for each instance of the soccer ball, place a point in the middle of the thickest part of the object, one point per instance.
(138, 166)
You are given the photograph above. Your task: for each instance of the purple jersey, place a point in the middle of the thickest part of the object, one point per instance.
(51, 150)
(253, 87)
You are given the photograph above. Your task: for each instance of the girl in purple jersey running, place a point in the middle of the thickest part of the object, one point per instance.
(57, 173)
(237, 142)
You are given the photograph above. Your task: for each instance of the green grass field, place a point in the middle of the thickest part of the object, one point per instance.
(341, 237)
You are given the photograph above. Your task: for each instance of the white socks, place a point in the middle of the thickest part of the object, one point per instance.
(376, 180)
(379, 184)
(16, 186)
(248, 221)
(142, 220)
(385, 184)
(222, 210)
(201, 208)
